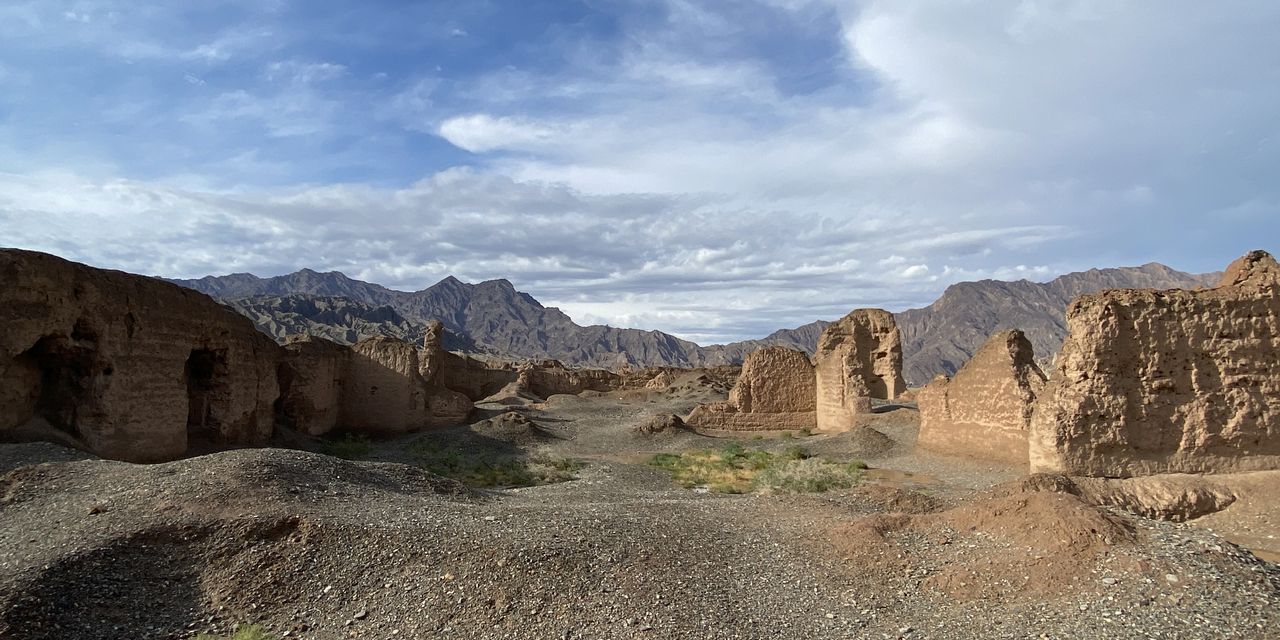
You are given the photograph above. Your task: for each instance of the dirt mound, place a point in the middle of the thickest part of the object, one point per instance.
(1011, 545)
(513, 427)
(899, 500)
(226, 481)
(665, 424)
(167, 574)
(1175, 497)
(868, 442)
(1047, 522)
(513, 394)
(13, 456)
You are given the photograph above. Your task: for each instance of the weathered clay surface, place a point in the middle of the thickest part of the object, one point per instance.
(378, 385)
(1167, 381)
(775, 391)
(549, 377)
(859, 357)
(311, 378)
(384, 390)
(985, 410)
(660, 424)
(130, 367)
(1176, 497)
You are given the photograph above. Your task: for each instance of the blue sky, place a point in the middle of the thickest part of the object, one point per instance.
(713, 169)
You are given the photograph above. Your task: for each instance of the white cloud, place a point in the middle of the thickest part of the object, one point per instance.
(915, 271)
(670, 262)
(480, 132)
(701, 173)
(300, 72)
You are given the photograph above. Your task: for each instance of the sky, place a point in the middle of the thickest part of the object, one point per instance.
(714, 169)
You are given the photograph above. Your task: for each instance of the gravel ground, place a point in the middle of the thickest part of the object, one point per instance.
(316, 547)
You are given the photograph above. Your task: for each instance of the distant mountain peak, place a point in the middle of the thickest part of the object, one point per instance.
(493, 315)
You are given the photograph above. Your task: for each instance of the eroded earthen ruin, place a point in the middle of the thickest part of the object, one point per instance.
(1167, 381)
(137, 369)
(985, 410)
(775, 391)
(126, 366)
(859, 357)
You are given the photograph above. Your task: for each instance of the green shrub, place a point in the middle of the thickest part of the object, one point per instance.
(806, 432)
(734, 469)
(731, 451)
(809, 475)
(351, 447)
(243, 632)
(667, 461)
(795, 452)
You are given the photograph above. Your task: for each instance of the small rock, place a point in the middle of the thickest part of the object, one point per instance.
(1109, 581)
(362, 614)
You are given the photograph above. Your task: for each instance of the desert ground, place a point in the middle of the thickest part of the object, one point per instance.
(308, 545)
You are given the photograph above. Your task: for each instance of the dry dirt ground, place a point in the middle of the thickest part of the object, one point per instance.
(312, 546)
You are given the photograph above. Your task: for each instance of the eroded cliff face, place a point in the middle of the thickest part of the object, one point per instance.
(985, 410)
(859, 357)
(1167, 381)
(775, 391)
(128, 367)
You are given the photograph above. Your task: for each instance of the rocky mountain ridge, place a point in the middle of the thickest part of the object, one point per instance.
(494, 316)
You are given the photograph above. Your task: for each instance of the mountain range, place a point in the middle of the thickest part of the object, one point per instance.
(492, 316)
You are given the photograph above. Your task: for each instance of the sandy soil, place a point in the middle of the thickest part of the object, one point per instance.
(318, 547)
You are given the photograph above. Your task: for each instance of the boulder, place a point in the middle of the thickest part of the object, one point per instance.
(130, 367)
(775, 391)
(985, 410)
(1176, 381)
(859, 357)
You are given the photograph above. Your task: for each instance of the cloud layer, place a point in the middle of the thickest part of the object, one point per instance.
(717, 170)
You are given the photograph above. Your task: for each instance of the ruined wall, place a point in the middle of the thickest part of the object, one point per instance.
(668, 378)
(383, 390)
(985, 410)
(775, 391)
(379, 385)
(130, 367)
(311, 378)
(473, 378)
(1167, 381)
(549, 377)
(859, 357)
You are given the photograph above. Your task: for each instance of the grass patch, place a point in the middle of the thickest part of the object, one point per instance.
(736, 469)
(808, 475)
(243, 632)
(492, 470)
(350, 447)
